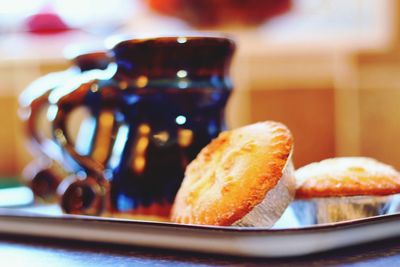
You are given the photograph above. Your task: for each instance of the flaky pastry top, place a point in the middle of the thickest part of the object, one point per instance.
(233, 174)
(346, 176)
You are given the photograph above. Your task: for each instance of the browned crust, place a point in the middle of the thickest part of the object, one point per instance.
(352, 176)
(232, 174)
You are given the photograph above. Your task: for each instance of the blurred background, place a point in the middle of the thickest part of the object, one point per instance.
(329, 69)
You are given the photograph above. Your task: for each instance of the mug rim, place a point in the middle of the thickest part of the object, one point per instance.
(171, 38)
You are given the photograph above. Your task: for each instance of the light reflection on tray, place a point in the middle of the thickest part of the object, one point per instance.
(22, 199)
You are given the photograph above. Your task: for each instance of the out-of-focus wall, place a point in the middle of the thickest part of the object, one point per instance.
(9, 135)
(15, 76)
(296, 89)
(379, 105)
(338, 100)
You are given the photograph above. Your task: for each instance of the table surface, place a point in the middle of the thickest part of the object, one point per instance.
(28, 251)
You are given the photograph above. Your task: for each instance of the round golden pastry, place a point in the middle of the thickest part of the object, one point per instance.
(346, 176)
(233, 174)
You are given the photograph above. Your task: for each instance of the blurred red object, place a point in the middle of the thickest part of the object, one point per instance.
(211, 13)
(46, 21)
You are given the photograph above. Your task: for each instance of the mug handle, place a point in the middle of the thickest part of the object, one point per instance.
(42, 144)
(66, 105)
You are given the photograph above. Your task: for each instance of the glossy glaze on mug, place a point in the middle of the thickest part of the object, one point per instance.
(170, 93)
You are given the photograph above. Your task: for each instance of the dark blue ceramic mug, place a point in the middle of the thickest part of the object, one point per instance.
(168, 95)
